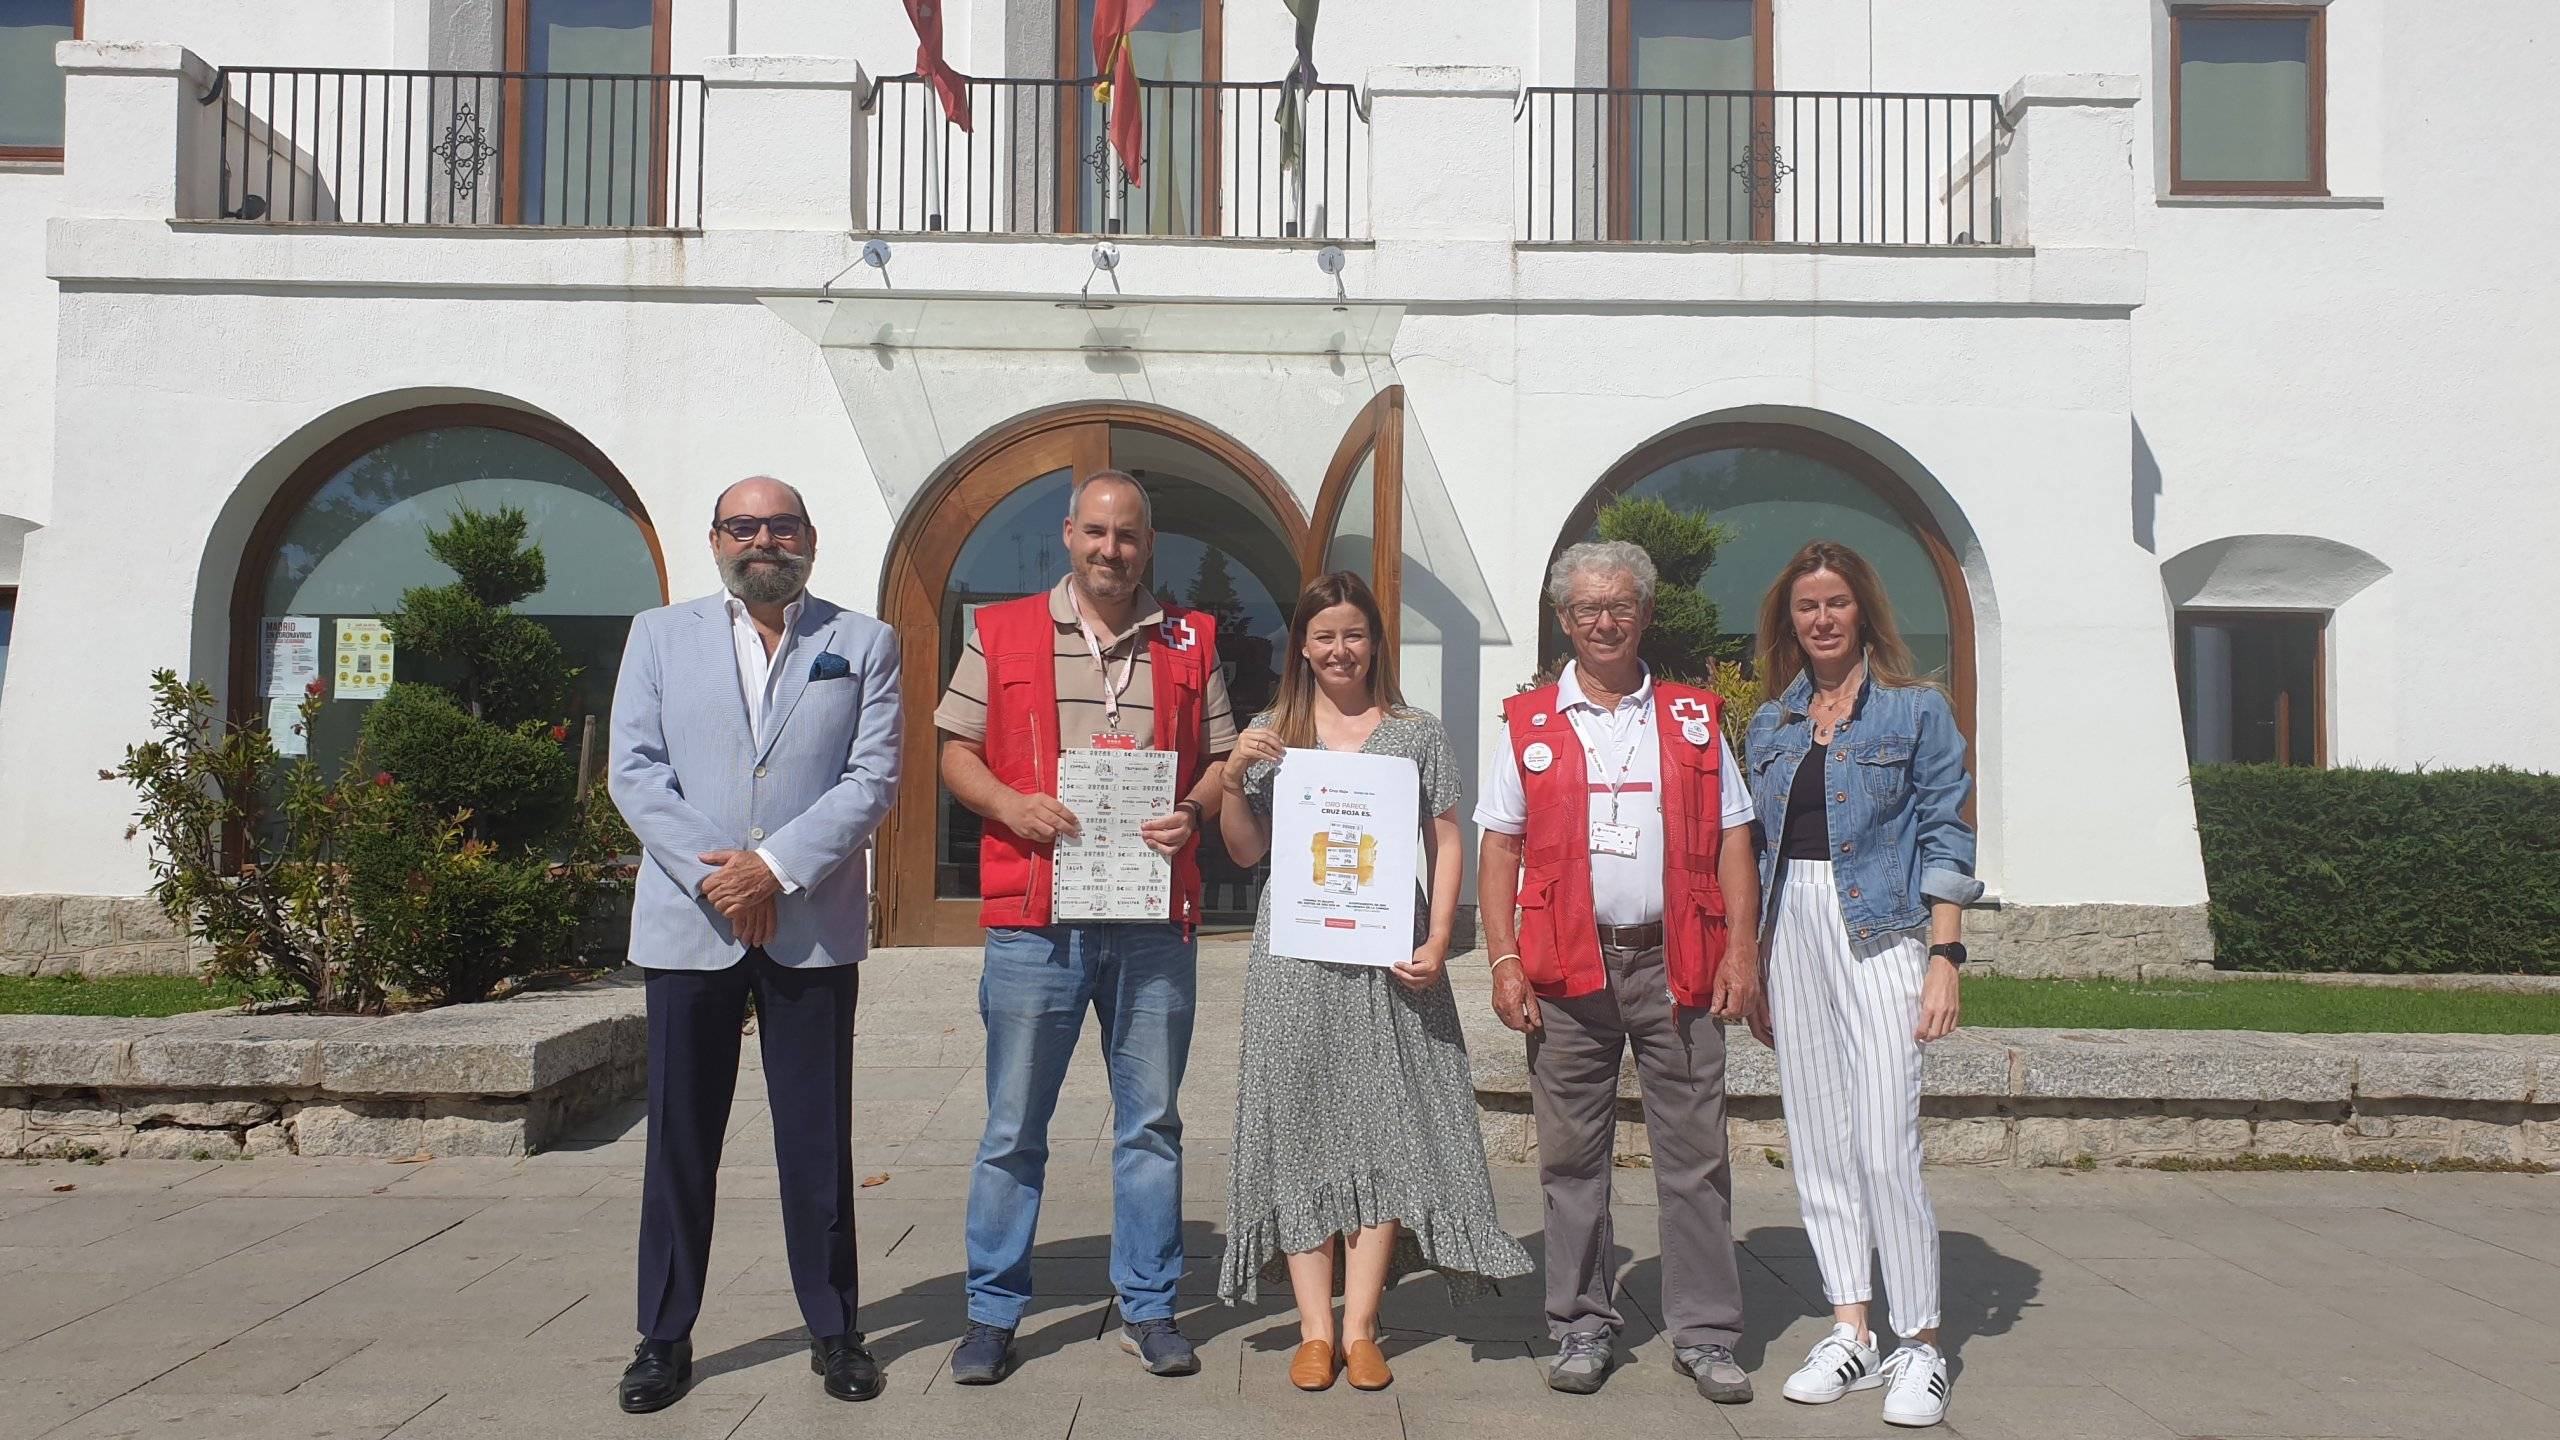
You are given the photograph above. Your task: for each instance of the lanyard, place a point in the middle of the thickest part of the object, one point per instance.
(1110, 689)
(1626, 762)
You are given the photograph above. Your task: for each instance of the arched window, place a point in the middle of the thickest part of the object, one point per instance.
(347, 537)
(1778, 486)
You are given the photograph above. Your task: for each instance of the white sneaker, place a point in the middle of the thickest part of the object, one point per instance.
(1841, 1361)
(1917, 1375)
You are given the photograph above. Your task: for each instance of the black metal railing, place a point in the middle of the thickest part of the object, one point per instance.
(1035, 161)
(459, 147)
(1761, 167)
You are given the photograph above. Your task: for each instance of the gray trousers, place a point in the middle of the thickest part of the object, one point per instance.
(1573, 1082)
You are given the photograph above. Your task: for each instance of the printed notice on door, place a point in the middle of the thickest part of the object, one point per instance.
(1106, 872)
(1345, 843)
(289, 655)
(364, 659)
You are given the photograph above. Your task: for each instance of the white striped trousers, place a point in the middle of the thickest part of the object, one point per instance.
(1849, 1084)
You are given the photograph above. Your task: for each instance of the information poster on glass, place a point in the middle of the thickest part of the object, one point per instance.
(1106, 871)
(364, 659)
(291, 647)
(1346, 840)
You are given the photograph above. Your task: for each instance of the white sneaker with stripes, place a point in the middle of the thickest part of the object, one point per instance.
(1841, 1361)
(1916, 1380)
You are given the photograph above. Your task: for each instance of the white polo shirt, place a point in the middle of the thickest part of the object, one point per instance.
(1625, 890)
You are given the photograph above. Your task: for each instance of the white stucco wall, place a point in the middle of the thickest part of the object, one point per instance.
(2149, 381)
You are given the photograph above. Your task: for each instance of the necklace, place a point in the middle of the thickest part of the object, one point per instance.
(1830, 710)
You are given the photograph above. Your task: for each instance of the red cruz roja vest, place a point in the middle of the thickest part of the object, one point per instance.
(1559, 927)
(1018, 638)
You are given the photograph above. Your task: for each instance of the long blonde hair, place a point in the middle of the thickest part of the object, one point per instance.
(1293, 715)
(1780, 659)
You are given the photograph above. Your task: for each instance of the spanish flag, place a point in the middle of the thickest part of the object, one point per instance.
(1113, 20)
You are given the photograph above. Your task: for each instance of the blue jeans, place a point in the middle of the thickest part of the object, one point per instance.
(1141, 980)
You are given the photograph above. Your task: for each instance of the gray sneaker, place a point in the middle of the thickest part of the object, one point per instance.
(1582, 1363)
(1713, 1367)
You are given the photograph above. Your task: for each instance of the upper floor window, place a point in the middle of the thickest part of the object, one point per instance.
(1175, 53)
(30, 86)
(2246, 101)
(1689, 170)
(586, 142)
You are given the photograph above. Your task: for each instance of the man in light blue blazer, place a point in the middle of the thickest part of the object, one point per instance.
(755, 750)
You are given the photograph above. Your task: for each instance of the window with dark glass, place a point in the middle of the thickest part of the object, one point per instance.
(1685, 128)
(2246, 102)
(586, 140)
(8, 622)
(1175, 52)
(30, 86)
(2249, 687)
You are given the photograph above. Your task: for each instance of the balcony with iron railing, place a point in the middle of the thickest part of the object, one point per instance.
(457, 147)
(1760, 168)
(1220, 159)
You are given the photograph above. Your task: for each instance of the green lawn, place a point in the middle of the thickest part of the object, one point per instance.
(122, 995)
(2286, 1005)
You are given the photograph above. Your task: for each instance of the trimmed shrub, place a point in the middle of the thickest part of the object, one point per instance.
(2386, 871)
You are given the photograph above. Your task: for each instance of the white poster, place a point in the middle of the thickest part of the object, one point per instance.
(364, 659)
(1107, 871)
(1346, 842)
(284, 726)
(291, 647)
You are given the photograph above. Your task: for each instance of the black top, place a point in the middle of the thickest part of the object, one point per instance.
(1808, 831)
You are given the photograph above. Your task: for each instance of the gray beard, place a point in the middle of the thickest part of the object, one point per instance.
(775, 584)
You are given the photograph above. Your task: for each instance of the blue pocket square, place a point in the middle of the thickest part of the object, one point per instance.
(829, 666)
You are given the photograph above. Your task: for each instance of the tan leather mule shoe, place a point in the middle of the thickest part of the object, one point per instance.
(1312, 1367)
(1365, 1366)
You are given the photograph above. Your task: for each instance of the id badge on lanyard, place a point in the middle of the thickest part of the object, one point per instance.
(1112, 737)
(1609, 837)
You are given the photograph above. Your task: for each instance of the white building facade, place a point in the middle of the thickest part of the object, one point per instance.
(2186, 368)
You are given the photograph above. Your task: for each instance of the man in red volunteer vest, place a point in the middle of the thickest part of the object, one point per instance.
(1619, 895)
(1096, 663)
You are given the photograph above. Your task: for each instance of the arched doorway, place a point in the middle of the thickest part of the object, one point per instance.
(346, 537)
(1779, 486)
(1228, 539)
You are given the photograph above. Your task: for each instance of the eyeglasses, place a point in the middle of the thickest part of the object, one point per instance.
(743, 528)
(1623, 611)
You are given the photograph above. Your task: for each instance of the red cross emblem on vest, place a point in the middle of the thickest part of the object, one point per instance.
(1177, 632)
(1685, 709)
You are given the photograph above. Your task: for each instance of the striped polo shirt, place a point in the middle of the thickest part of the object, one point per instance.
(963, 711)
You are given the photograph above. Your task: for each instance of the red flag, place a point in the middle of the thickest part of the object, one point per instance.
(947, 82)
(1113, 20)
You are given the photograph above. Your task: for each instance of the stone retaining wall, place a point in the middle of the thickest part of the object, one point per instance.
(92, 935)
(2087, 942)
(2063, 1097)
(496, 1079)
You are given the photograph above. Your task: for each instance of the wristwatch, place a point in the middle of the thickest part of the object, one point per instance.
(1952, 949)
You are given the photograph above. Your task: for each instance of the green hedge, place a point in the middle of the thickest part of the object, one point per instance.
(2448, 871)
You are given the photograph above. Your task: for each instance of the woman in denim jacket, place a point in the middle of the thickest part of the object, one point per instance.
(1858, 776)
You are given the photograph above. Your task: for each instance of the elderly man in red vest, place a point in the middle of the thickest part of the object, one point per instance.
(1094, 663)
(1619, 895)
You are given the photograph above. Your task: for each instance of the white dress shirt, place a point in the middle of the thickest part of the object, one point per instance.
(758, 673)
(1625, 890)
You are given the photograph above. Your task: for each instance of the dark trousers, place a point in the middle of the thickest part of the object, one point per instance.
(1573, 1086)
(804, 1022)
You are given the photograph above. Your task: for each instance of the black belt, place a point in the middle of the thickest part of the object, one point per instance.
(1632, 937)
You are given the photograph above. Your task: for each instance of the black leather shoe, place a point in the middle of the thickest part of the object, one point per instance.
(656, 1377)
(851, 1373)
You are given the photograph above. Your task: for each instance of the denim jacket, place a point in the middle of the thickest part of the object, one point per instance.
(1894, 799)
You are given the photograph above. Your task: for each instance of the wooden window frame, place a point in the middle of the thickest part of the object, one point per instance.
(1375, 434)
(1877, 476)
(2321, 621)
(517, 55)
(922, 552)
(1074, 61)
(1622, 129)
(249, 585)
(2317, 18)
(42, 154)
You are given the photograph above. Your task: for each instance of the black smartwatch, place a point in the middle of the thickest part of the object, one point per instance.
(1952, 949)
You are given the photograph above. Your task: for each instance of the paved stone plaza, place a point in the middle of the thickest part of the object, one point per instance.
(307, 1298)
